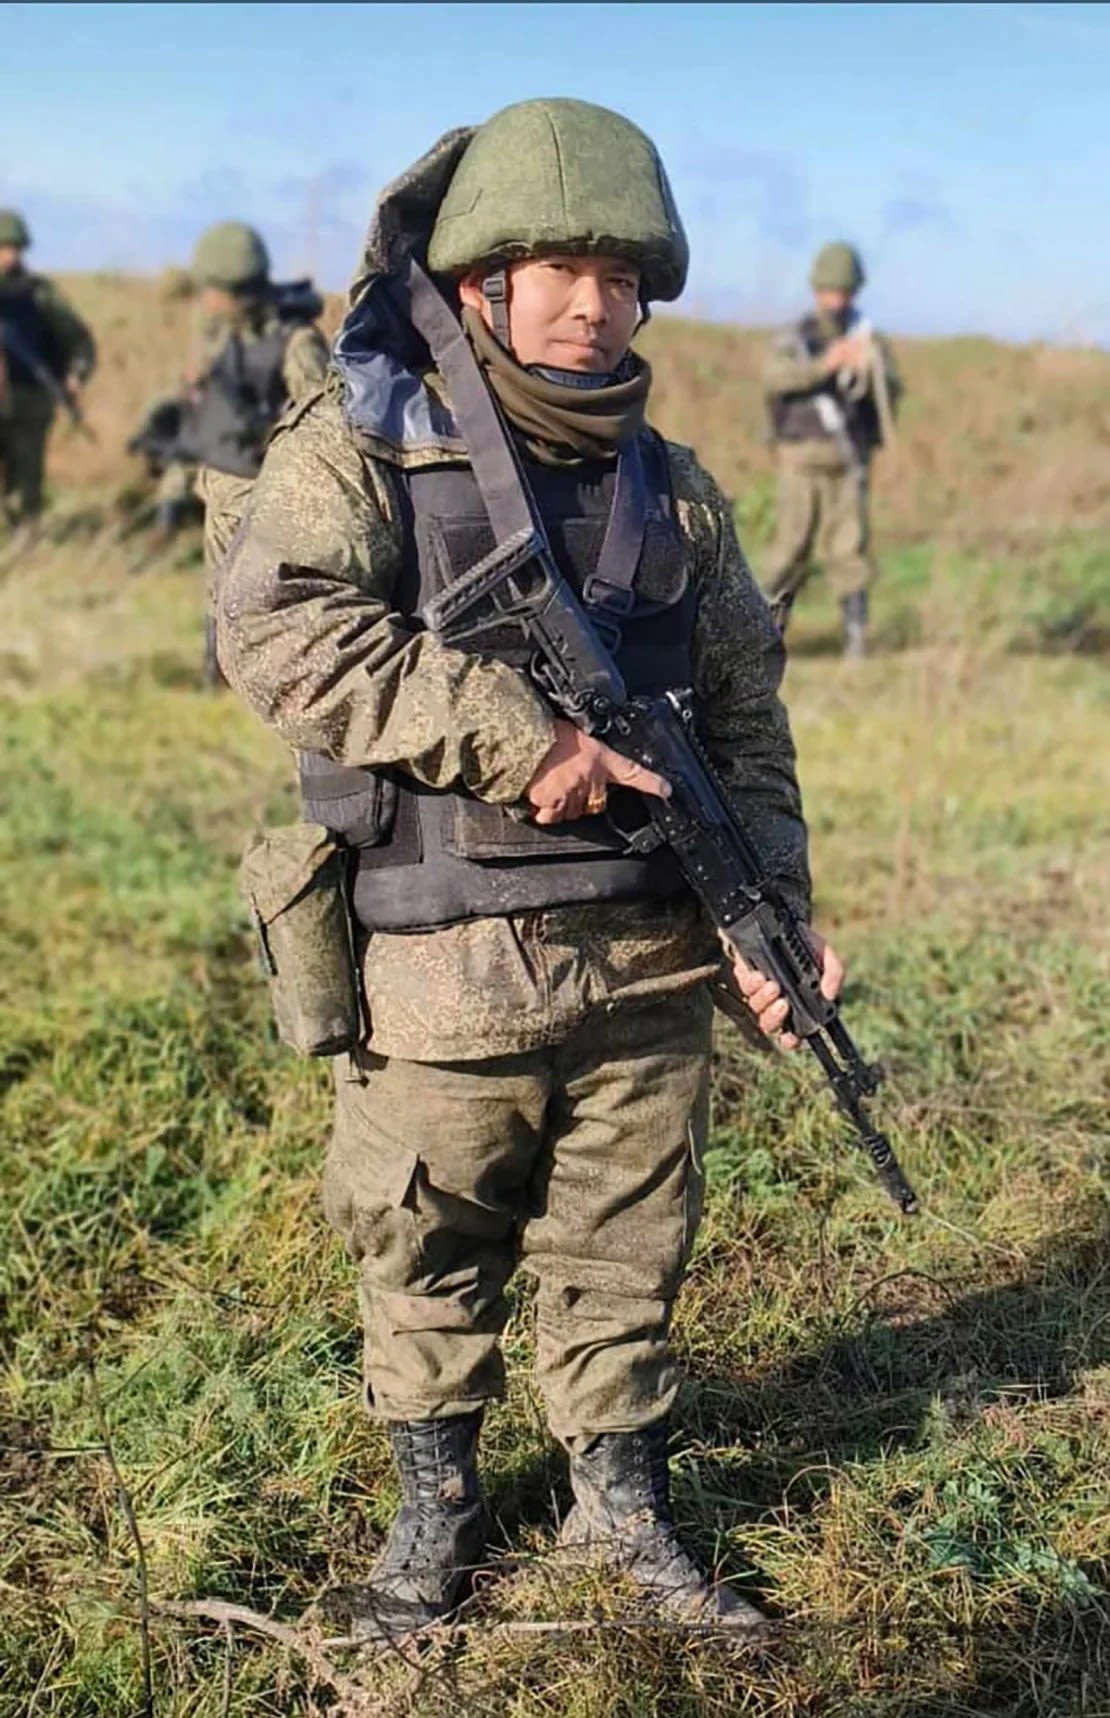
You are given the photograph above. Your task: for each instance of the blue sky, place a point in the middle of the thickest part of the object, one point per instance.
(965, 148)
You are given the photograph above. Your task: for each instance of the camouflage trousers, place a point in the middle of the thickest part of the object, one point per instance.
(581, 1161)
(822, 519)
(24, 427)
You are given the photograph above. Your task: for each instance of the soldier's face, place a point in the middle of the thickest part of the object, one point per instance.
(216, 301)
(831, 300)
(570, 312)
(10, 258)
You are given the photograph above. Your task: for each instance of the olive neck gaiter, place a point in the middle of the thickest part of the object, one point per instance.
(562, 422)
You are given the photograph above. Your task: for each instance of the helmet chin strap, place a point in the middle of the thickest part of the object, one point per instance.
(495, 291)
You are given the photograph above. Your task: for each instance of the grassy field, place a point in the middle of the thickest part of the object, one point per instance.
(897, 1434)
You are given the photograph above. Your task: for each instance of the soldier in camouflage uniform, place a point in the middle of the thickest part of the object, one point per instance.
(44, 348)
(823, 392)
(533, 1085)
(257, 347)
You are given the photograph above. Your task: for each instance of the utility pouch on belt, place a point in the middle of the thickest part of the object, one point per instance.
(295, 881)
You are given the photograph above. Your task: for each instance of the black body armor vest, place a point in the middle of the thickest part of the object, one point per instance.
(244, 394)
(21, 315)
(241, 398)
(794, 417)
(428, 858)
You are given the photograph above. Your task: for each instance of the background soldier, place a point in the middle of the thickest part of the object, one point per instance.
(259, 347)
(831, 389)
(534, 1085)
(46, 356)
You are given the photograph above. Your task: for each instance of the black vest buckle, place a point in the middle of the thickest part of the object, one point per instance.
(609, 599)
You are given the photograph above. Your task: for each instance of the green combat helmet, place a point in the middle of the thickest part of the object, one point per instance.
(14, 229)
(231, 255)
(556, 175)
(837, 268)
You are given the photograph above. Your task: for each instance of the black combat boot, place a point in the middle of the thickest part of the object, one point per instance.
(854, 611)
(436, 1540)
(622, 1508)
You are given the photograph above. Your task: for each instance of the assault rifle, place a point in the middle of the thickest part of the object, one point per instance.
(520, 583)
(12, 341)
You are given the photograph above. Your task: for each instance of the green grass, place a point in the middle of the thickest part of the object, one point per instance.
(897, 1434)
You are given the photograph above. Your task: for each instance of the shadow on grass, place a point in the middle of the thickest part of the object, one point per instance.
(1048, 1661)
(863, 1391)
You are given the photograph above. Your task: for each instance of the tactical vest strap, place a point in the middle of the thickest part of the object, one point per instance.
(500, 481)
(609, 587)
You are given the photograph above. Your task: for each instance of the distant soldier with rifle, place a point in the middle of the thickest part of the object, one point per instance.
(258, 348)
(832, 390)
(500, 617)
(47, 354)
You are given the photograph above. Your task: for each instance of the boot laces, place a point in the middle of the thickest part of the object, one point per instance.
(435, 1460)
(657, 1542)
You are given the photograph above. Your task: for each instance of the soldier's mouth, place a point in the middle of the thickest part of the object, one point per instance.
(586, 351)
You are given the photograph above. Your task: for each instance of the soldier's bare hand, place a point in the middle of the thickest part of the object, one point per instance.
(765, 999)
(847, 353)
(575, 777)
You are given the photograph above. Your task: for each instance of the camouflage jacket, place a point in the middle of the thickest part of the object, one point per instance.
(69, 350)
(310, 637)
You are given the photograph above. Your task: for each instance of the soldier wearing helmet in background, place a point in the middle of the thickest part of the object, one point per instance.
(831, 389)
(532, 1087)
(258, 347)
(46, 352)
